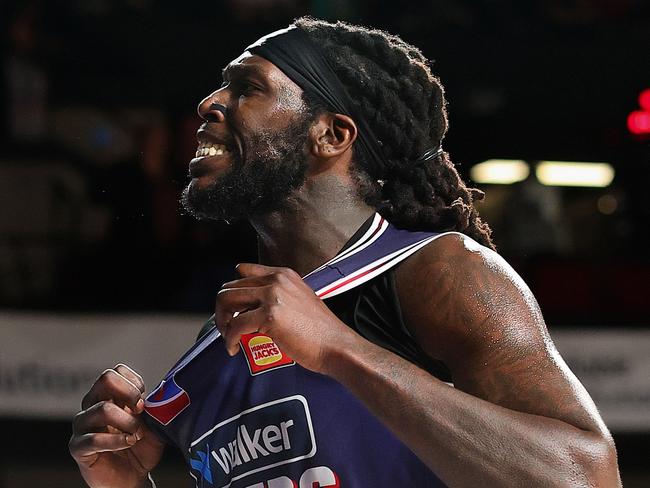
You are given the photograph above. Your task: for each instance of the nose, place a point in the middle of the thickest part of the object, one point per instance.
(210, 110)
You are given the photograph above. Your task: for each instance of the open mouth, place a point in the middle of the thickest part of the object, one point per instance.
(211, 149)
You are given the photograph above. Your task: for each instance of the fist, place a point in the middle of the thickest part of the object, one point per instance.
(110, 443)
(278, 303)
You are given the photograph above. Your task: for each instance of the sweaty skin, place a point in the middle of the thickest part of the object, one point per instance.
(516, 417)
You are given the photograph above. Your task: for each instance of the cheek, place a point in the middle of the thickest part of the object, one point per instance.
(260, 115)
(281, 115)
(252, 117)
(265, 119)
(290, 104)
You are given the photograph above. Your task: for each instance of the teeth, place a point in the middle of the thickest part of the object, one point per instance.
(209, 149)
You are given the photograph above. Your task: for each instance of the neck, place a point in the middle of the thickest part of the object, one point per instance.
(313, 226)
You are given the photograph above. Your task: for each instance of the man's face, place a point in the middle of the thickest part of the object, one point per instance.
(252, 147)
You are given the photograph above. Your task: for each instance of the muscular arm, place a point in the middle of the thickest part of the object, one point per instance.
(517, 415)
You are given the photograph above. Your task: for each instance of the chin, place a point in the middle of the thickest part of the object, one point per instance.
(199, 201)
(194, 199)
(201, 183)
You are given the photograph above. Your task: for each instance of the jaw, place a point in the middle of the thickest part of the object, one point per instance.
(326, 201)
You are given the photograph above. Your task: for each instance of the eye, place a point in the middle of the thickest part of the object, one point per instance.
(246, 87)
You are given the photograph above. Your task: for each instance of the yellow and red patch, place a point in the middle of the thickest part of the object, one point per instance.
(262, 354)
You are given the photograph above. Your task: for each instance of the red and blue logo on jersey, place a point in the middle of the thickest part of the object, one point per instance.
(166, 401)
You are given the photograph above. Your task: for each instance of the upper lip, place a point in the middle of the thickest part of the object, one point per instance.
(205, 136)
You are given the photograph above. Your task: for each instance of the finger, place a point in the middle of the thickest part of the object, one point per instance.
(105, 414)
(137, 381)
(93, 443)
(251, 281)
(113, 386)
(253, 269)
(131, 375)
(231, 300)
(245, 323)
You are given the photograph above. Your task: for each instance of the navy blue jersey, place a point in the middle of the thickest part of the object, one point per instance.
(259, 420)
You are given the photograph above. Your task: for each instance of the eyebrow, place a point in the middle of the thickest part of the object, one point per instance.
(240, 70)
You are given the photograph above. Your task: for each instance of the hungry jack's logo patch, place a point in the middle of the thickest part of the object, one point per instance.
(262, 354)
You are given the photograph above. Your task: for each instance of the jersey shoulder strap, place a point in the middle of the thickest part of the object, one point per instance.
(380, 248)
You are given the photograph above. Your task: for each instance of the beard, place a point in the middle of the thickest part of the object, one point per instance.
(262, 184)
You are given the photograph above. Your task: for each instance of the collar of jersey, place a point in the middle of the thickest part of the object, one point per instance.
(381, 247)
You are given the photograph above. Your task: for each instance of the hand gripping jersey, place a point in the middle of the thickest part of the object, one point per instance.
(259, 420)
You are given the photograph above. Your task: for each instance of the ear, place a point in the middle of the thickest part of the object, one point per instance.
(332, 135)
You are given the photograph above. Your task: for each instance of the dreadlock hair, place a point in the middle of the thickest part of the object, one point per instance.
(392, 85)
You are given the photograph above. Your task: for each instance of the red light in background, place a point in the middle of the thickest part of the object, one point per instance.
(644, 99)
(638, 122)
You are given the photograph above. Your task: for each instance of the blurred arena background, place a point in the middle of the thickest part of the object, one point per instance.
(97, 123)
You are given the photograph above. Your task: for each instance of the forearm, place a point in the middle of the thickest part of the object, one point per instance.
(466, 440)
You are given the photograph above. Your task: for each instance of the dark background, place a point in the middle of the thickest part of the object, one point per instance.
(98, 114)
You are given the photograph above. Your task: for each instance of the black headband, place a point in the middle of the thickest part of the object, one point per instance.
(294, 53)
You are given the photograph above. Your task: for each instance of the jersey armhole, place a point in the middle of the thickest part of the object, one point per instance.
(436, 366)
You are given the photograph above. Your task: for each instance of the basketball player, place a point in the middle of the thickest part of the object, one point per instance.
(314, 130)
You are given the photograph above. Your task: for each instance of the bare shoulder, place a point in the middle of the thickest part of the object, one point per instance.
(462, 289)
(466, 306)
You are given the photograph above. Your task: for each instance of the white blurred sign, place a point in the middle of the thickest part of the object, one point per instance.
(48, 361)
(614, 366)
